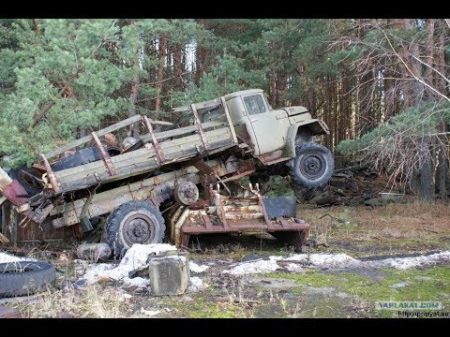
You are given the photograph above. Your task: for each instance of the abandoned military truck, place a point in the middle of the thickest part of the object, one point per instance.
(168, 180)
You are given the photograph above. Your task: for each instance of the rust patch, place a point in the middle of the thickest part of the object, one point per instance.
(158, 150)
(105, 155)
(15, 193)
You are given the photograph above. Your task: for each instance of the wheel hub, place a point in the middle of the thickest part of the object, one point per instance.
(312, 166)
(138, 229)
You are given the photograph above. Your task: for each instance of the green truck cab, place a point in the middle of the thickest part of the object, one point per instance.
(275, 135)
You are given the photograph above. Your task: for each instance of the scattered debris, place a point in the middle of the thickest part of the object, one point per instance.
(94, 251)
(135, 259)
(352, 186)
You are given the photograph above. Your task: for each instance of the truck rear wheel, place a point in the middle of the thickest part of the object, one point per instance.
(134, 222)
(312, 166)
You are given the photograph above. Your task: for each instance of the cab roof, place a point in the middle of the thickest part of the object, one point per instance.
(216, 101)
(243, 92)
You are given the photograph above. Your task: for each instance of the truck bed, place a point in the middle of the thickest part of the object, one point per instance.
(176, 146)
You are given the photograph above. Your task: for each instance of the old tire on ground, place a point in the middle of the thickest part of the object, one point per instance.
(25, 277)
(312, 166)
(134, 222)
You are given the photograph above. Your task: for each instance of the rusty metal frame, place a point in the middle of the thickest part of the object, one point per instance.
(292, 230)
(282, 226)
(51, 174)
(105, 155)
(200, 128)
(158, 150)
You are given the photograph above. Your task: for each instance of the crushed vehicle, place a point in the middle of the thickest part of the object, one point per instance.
(166, 175)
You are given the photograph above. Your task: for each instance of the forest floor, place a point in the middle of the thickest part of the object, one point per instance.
(349, 271)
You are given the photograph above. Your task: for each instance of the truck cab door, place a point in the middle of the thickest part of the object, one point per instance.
(266, 128)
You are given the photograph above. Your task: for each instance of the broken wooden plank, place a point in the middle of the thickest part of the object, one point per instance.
(181, 131)
(139, 161)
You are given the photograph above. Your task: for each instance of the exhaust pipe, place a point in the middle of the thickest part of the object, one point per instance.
(12, 189)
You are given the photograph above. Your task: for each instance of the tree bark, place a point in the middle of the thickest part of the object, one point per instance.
(442, 170)
(426, 191)
(161, 54)
(428, 72)
(178, 66)
(134, 89)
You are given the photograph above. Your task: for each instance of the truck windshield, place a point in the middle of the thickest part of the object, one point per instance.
(255, 104)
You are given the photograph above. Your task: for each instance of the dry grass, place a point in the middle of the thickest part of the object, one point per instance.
(93, 302)
(394, 223)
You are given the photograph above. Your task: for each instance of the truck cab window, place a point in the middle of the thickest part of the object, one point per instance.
(255, 104)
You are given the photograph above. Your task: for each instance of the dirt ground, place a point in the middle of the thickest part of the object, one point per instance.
(362, 232)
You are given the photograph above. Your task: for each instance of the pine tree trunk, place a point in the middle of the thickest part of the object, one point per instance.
(443, 162)
(426, 191)
(366, 113)
(161, 54)
(178, 66)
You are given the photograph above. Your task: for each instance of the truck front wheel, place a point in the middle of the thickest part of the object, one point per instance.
(312, 166)
(134, 222)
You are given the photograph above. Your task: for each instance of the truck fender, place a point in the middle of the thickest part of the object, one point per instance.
(315, 127)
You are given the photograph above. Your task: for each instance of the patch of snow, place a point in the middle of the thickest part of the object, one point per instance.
(96, 271)
(7, 258)
(135, 259)
(410, 262)
(325, 260)
(255, 267)
(150, 313)
(399, 285)
(136, 282)
(334, 261)
(294, 268)
(196, 284)
(197, 269)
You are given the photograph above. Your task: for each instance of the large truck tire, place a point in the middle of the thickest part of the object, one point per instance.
(134, 222)
(25, 277)
(312, 166)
